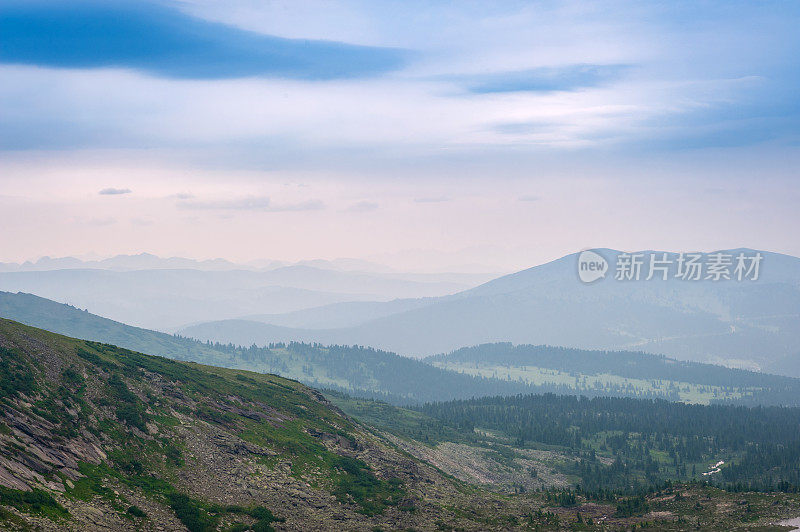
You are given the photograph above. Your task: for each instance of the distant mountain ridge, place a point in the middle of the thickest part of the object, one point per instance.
(149, 261)
(337, 315)
(141, 261)
(167, 298)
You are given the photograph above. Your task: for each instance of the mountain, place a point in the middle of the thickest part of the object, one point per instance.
(166, 298)
(750, 324)
(148, 261)
(336, 315)
(142, 261)
(352, 265)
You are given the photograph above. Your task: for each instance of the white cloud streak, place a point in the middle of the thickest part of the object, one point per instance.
(114, 191)
(250, 203)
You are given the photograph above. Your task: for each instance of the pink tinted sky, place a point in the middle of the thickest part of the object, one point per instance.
(508, 134)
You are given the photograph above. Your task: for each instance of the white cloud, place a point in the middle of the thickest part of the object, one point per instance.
(181, 195)
(250, 203)
(114, 191)
(432, 199)
(362, 206)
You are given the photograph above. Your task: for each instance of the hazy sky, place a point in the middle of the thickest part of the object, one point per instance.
(423, 134)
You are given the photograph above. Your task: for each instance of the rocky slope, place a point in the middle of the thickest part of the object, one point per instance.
(95, 436)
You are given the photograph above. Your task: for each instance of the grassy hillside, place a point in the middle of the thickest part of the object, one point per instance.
(103, 436)
(71, 321)
(621, 373)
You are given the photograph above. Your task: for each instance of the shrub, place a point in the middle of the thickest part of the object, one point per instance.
(136, 511)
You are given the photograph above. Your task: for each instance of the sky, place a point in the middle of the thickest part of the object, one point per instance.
(424, 135)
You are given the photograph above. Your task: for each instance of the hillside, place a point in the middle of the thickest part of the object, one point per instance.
(614, 373)
(749, 324)
(107, 437)
(68, 320)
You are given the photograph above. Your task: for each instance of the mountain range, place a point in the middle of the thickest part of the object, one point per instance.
(168, 298)
(149, 261)
(753, 324)
(490, 369)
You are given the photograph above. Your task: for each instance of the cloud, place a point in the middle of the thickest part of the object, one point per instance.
(102, 222)
(94, 222)
(166, 42)
(362, 206)
(251, 203)
(434, 199)
(522, 128)
(182, 196)
(529, 197)
(310, 205)
(546, 79)
(114, 191)
(505, 98)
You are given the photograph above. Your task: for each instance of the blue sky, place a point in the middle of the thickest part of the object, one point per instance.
(323, 129)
